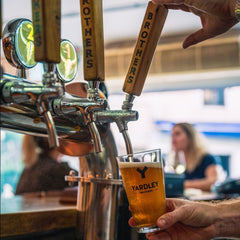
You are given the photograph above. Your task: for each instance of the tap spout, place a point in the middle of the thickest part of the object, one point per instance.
(51, 129)
(95, 137)
(128, 143)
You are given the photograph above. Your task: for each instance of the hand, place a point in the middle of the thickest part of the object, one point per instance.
(217, 16)
(185, 220)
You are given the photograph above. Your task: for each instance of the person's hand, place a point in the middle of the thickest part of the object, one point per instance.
(217, 16)
(185, 220)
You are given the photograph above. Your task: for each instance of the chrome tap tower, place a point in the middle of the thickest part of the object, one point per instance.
(81, 117)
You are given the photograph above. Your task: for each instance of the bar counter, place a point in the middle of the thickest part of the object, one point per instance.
(34, 215)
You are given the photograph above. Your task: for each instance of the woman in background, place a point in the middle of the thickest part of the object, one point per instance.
(202, 170)
(43, 169)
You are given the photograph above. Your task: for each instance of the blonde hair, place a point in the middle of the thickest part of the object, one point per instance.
(196, 149)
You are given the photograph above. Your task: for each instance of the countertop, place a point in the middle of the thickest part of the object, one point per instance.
(35, 213)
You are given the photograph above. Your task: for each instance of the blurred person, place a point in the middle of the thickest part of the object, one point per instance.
(43, 168)
(202, 169)
(217, 16)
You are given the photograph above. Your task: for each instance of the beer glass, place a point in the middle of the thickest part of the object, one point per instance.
(143, 180)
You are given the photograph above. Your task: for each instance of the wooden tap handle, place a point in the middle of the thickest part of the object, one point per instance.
(46, 15)
(0, 19)
(92, 35)
(152, 25)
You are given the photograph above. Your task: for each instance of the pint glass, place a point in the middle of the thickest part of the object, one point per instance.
(143, 179)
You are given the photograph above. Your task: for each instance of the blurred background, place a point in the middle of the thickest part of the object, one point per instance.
(199, 85)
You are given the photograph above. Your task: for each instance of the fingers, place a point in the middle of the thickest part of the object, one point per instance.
(195, 38)
(173, 203)
(131, 222)
(169, 219)
(178, 7)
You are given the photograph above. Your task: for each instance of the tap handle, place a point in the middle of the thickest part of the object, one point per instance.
(0, 19)
(152, 25)
(92, 35)
(46, 17)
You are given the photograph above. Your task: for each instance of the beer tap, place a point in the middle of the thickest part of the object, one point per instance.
(93, 59)
(47, 22)
(150, 31)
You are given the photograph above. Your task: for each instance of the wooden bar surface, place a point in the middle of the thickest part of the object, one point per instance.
(24, 215)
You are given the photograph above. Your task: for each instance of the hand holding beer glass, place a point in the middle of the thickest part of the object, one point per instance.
(143, 179)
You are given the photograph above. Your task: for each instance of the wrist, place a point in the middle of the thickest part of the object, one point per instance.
(227, 223)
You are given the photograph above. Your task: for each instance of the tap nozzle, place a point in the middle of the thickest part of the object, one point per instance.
(48, 119)
(49, 80)
(95, 137)
(88, 114)
(122, 126)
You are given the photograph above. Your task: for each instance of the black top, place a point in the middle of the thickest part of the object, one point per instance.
(199, 171)
(45, 175)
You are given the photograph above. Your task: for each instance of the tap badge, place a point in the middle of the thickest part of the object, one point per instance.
(142, 171)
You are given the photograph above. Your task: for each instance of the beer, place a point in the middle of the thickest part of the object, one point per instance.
(144, 185)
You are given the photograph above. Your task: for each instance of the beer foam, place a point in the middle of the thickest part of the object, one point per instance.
(139, 164)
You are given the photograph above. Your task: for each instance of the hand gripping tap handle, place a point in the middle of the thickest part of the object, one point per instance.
(46, 17)
(152, 25)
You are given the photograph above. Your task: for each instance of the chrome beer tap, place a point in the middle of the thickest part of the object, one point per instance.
(93, 60)
(19, 51)
(47, 22)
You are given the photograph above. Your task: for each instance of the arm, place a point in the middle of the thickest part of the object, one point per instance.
(205, 183)
(217, 17)
(198, 221)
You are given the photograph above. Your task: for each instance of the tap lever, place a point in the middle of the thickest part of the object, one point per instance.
(0, 22)
(47, 25)
(152, 25)
(92, 35)
(46, 17)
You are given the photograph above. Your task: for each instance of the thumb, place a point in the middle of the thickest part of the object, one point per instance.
(169, 219)
(195, 38)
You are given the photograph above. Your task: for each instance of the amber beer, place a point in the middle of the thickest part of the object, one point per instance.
(144, 185)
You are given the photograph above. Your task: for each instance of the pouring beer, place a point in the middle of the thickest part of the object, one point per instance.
(142, 173)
